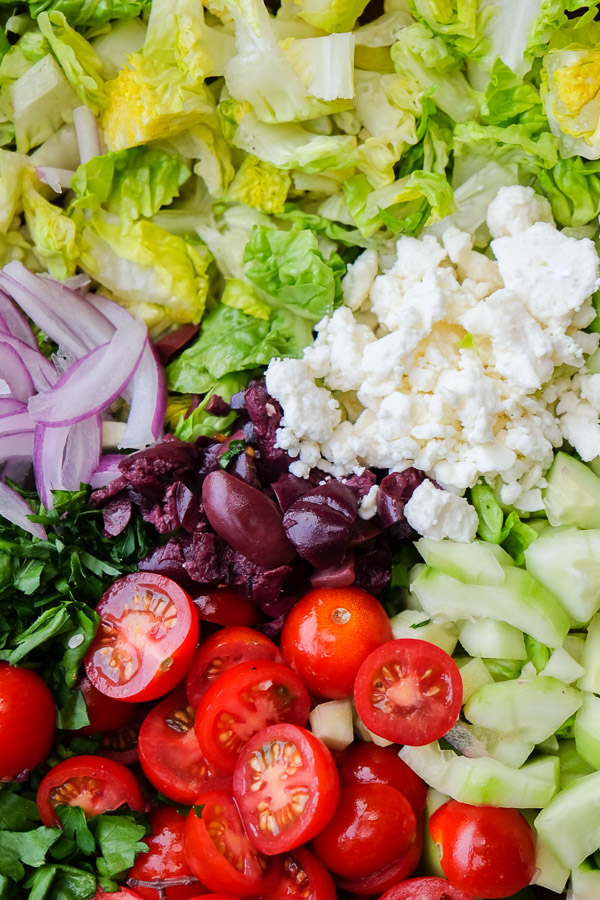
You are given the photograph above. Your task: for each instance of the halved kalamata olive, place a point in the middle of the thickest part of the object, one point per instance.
(395, 491)
(320, 522)
(247, 519)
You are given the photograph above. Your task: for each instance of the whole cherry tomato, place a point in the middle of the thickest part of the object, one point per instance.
(165, 858)
(328, 634)
(384, 878)
(146, 638)
(105, 713)
(409, 692)
(225, 606)
(364, 762)
(27, 717)
(426, 888)
(484, 850)
(372, 826)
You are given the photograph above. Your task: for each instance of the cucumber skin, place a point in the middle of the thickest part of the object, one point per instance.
(570, 824)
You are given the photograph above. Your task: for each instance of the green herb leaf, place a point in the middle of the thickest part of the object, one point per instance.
(235, 448)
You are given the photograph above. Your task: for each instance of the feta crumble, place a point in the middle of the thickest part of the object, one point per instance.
(453, 362)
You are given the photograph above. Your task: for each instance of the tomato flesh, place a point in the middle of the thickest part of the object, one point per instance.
(146, 638)
(105, 713)
(165, 858)
(484, 850)
(225, 606)
(304, 877)
(365, 763)
(427, 888)
(286, 786)
(409, 692)
(27, 717)
(389, 875)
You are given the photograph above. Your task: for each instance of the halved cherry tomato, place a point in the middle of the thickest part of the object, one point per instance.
(27, 721)
(225, 606)
(385, 878)
(286, 787)
(220, 853)
(409, 692)
(123, 894)
(244, 700)
(304, 877)
(364, 763)
(222, 651)
(328, 634)
(92, 782)
(146, 638)
(427, 888)
(122, 743)
(485, 850)
(165, 858)
(105, 713)
(170, 755)
(372, 826)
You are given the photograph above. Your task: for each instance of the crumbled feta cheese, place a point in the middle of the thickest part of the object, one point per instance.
(368, 505)
(438, 514)
(359, 279)
(515, 209)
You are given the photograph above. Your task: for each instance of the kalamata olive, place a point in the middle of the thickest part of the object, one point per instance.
(395, 491)
(247, 519)
(320, 522)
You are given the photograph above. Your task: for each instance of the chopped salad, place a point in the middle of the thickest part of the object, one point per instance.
(299, 449)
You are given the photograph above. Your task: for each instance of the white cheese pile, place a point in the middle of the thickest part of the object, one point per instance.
(455, 363)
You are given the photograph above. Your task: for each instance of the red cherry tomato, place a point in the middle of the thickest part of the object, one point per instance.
(372, 826)
(123, 894)
(427, 888)
(170, 755)
(105, 713)
(286, 787)
(328, 634)
(165, 858)
(385, 878)
(245, 700)
(409, 692)
(484, 850)
(226, 606)
(27, 717)
(122, 743)
(146, 638)
(304, 877)
(364, 763)
(219, 852)
(222, 651)
(92, 782)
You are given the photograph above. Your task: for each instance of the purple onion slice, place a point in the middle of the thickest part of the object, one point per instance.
(16, 375)
(42, 372)
(148, 402)
(17, 510)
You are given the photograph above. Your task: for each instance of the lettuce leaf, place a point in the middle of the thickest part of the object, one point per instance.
(129, 183)
(77, 58)
(53, 234)
(189, 426)
(12, 166)
(569, 89)
(330, 15)
(573, 188)
(454, 20)
(90, 13)
(261, 185)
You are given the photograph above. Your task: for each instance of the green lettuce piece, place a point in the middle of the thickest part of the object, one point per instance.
(12, 167)
(331, 15)
(569, 90)
(261, 185)
(507, 96)
(200, 422)
(426, 58)
(551, 18)
(454, 20)
(290, 268)
(13, 245)
(205, 146)
(523, 143)
(240, 295)
(129, 183)
(160, 277)
(573, 188)
(77, 58)
(29, 49)
(54, 235)
(90, 13)
(43, 101)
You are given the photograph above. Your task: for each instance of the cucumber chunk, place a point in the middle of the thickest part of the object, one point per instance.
(412, 623)
(474, 674)
(585, 883)
(521, 601)
(587, 730)
(491, 639)
(572, 496)
(572, 765)
(550, 872)
(332, 723)
(567, 562)
(430, 858)
(590, 660)
(474, 563)
(561, 665)
(570, 824)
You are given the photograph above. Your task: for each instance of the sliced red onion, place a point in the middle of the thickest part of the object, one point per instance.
(10, 405)
(58, 179)
(16, 323)
(82, 452)
(42, 371)
(48, 453)
(16, 422)
(148, 404)
(65, 457)
(107, 471)
(116, 314)
(67, 319)
(88, 133)
(462, 739)
(15, 374)
(16, 445)
(14, 508)
(92, 383)
(77, 283)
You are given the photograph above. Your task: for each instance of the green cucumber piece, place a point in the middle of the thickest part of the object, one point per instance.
(482, 781)
(475, 563)
(531, 710)
(570, 824)
(567, 562)
(521, 601)
(561, 665)
(585, 883)
(474, 674)
(590, 660)
(587, 730)
(572, 496)
(572, 765)
(550, 872)
(412, 623)
(430, 859)
(492, 639)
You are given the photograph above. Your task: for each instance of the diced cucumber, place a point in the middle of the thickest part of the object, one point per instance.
(574, 645)
(474, 674)
(572, 765)
(572, 496)
(43, 100)
(492, 639)
(332, 723)
(550, 873)
(430, 859)
(561, 665)
(587, 730)
(531, 710)
(509, 749)
(590, 660)
(475, 563)
(546, 768)
(363, 733)
(570, 824)
(412, 623)
(585, 883)
(482, 781)
(521, 601)
(567, 562)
